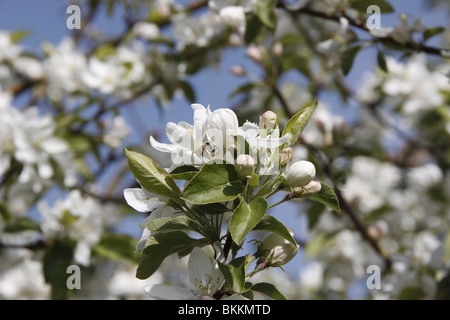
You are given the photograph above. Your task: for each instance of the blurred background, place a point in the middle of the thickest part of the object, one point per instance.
(70, 101)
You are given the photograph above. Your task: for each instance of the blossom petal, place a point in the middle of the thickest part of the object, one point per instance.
(271, 142)
(202, 273)
(140, 201)
(163, 147)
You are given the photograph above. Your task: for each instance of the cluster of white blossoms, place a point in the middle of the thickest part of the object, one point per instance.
(69, 70)
(200, 31)
(215, 134)
(404, 232)
(78, 218)
(411, 85)
(29, 138)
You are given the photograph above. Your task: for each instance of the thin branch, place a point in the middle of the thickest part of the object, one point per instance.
(362, 26)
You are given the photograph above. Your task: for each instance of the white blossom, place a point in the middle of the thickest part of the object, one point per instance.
(77, 218)
(204, 276)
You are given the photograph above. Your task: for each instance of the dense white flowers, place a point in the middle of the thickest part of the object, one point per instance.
(212, 136)
(28, 137)
(410, 84)
(76, 217)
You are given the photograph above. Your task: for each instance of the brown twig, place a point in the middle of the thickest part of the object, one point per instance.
(362, 26)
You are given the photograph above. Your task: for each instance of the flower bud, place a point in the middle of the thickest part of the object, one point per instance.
(237, 70)
(306, 191)
(244, 165)
(312, 187)
(277, 250)
(300, 173)
(255, 53)
(286, 156)
(268, 120)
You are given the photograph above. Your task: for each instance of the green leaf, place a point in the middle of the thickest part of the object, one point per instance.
(299, 60)
(234, 273)
(381, 59)
(117, 247)
(362, 5)
(252, 29)
(327, 196)
(347, 59)
(271, 224)
(431, 32)
(297, 123)
(213, 183)
(150, 175)
(57, 258)
(269, 290)
(316, 245)
(245, 217)
(104, 51)
(160, 246)
(18, 224)
(180, 223)
(265, 9)
(4, 212)
(443, 288)
(18, 35)
(188, 91)
(183, 173)
(269, 186)
(211, 208)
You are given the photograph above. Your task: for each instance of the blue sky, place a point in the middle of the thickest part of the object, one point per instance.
(47, 22)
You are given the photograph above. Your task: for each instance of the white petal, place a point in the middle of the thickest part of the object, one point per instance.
(271, 142)
(199, 265)
(45, 170)
(163, 147)
(54, 145)
(202, 274)
(140, 201)
(82, 253)
(168, 292)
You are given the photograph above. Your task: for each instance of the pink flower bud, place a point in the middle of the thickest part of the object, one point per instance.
(268, 120)
(286, 156)
(244, 165)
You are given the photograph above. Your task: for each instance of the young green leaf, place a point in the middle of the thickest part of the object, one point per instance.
(117, 247)
(431, 32)
(213, 183)
(160, 246)
(57, 257)
(150, 175)
(180, 223)
(297, 123)
(271, 224)
(269, 290)
(381, 59)
(252, 29)
(245, 217)
(211, 208)
(234, 273)
(265, 9)
(327, 196)
(348, 58)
